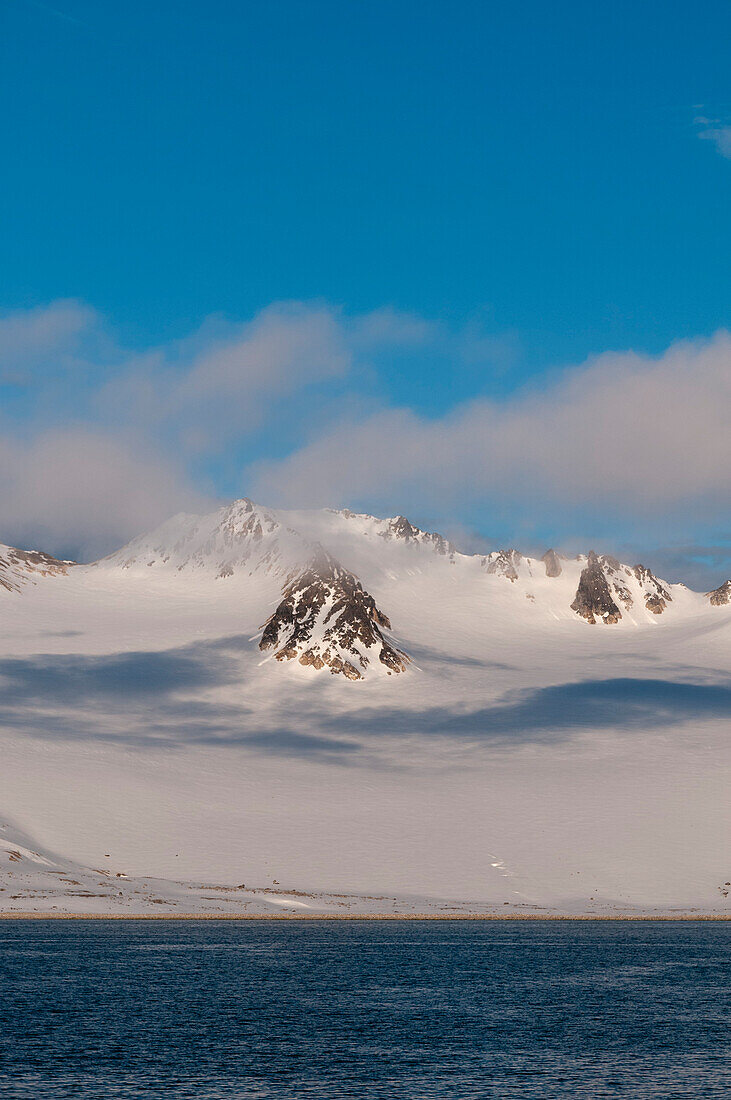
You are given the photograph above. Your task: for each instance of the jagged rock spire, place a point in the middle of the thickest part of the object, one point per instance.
(552, 561)
(593, 598)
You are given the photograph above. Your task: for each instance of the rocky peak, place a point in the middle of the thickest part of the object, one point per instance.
(617, 576)
(401, 528)
(243, 520)
(504, 563)
(721, 595)
(552, 561)
(593, 596)
(242, 529)
(654, 592)
(327, 619)
(19, 567)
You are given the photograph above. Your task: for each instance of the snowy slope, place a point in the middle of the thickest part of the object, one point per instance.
(22, 567)
(522, 754)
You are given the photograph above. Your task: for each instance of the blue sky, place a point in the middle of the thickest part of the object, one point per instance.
(239, 239)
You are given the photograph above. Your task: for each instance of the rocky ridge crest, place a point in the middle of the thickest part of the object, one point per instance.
(721, 595)
(400, 528)
(605, 583)
(21, 567)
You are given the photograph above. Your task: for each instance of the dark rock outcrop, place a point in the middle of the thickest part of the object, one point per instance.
(552, 561)
(616, 576)
(721, 595)
(593, 596)
(327, 619)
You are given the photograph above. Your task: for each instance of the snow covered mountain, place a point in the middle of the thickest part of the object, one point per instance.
(326, 619)
(345, 704)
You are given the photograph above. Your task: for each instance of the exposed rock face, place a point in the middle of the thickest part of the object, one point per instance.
(400, 528)
(243, 520)
(327, 619)
(616, 576)
(655, 593)
(720, 595)
(593, 596)
(553, 563)
(243, 527)
(504, 563)
(620, 584)
(18, 567)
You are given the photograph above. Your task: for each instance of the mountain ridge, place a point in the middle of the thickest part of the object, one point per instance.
(324, 571)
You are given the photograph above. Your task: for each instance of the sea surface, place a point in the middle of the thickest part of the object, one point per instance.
(213, 1009)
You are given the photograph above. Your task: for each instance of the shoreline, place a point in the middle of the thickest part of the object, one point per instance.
(291, 917)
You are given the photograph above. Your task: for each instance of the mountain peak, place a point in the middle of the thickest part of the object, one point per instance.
(327, 619)
(605, 583)
(720, 595)
(401, 528)
(552, 561)
(593, 597)
(504, 563)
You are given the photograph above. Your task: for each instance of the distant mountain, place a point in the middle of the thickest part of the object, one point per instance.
(324, 614)
(346, 711)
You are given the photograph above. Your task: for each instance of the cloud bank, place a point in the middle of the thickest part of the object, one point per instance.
(628, 431)
(99, 442)
(81, 492)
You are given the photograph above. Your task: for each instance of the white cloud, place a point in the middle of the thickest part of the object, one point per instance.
(721, 137)
(82, 492)
(220, 383)
(716, 130)
(139, 420)
(27, 336)
(285, 349)
(389, 327)
(623, 432)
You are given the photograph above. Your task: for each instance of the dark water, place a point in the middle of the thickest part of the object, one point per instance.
(259, 1009)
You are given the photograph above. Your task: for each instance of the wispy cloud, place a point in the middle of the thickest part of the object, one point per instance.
(29, 337)
(80, 491)
(631, 432)
(98, 443)
(220, 383)
(716, 130)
